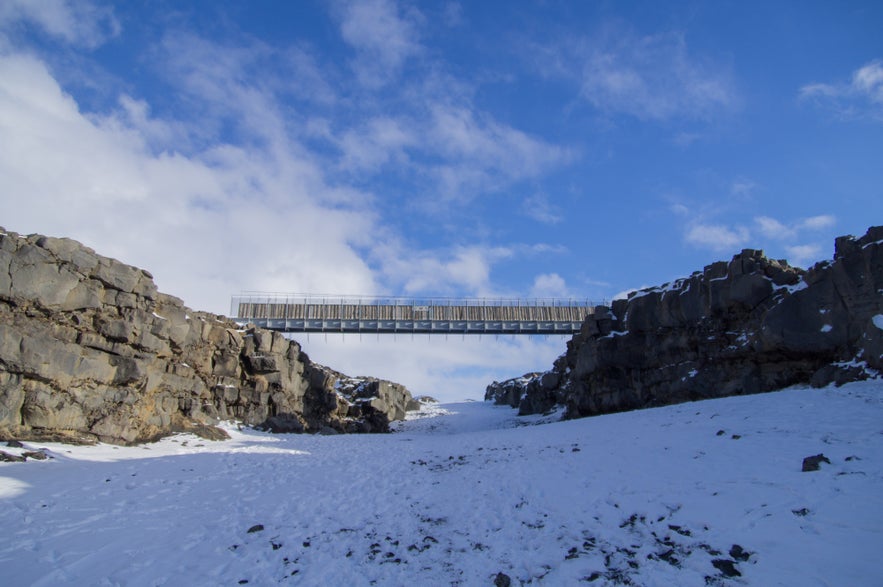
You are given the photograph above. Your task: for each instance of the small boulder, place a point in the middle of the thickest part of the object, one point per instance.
(814, 462)
(5, 457)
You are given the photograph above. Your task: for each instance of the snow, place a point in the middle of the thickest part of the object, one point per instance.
(877, 319)
(615, 333)
(800, 285)
(463, 491)
(826, 328)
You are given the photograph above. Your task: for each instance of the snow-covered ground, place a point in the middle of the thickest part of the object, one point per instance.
(692, 494)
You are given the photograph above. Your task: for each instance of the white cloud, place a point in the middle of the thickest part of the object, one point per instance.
(803, 255)
(868, 80)
(860, 97)
(652, 77)
(203, 224)
(460, 271)
(383, 37)
(773, 229)
(717, 237)
(818, 222)
(549, 285)
(80, 22)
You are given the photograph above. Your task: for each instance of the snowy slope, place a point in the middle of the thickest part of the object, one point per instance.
(670, 496)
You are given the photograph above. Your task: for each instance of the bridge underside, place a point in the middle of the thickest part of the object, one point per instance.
(414, 326)
(395, 315)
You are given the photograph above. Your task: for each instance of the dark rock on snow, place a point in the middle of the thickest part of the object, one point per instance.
(90, 350)
(745, 326)
(814, 463)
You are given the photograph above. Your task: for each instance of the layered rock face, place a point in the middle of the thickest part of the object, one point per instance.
(748, 326)
(89, 349)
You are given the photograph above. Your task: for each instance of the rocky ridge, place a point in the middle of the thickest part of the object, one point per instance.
(90, 350)
(745, 326)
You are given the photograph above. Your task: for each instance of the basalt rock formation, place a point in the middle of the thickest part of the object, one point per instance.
(746, 326)
(90, 350)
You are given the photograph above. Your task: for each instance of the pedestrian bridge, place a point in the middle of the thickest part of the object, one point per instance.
(391, 315)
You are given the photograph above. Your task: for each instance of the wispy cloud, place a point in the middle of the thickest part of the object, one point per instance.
(773, 229)
(717, 237)
(383, 36)
(82, 23)
(860, 97)
(703, 232)
(379, 141)
(483, 153)
(652, 77)
(818, 222)
(539, 208)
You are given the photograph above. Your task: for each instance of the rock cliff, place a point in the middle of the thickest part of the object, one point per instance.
(89, 349)
(747, 326)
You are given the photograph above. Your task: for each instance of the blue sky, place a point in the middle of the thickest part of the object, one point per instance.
(443, 148)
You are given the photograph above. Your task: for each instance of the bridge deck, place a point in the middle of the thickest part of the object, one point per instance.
(394, 315)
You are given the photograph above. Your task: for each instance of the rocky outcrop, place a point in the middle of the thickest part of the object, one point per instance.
(89, 349)
(512, 391)
(747, 326)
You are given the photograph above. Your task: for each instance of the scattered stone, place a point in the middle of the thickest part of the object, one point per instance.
(800, 512)
(669, 557)
(14, 444)
(502, 580)
(36, 455)
(680, 530)
(5, 457)
(738, 553)
(814, 462)
(726, 567)
(256, 528)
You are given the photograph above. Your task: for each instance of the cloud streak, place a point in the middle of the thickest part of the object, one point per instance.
(81, 23)
(859, 98)
(649, 77)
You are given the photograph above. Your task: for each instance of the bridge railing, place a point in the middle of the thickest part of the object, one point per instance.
(312, 313)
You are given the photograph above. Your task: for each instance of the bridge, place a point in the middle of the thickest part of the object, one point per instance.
(396, 315)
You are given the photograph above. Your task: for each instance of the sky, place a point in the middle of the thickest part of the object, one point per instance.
(472, 149)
